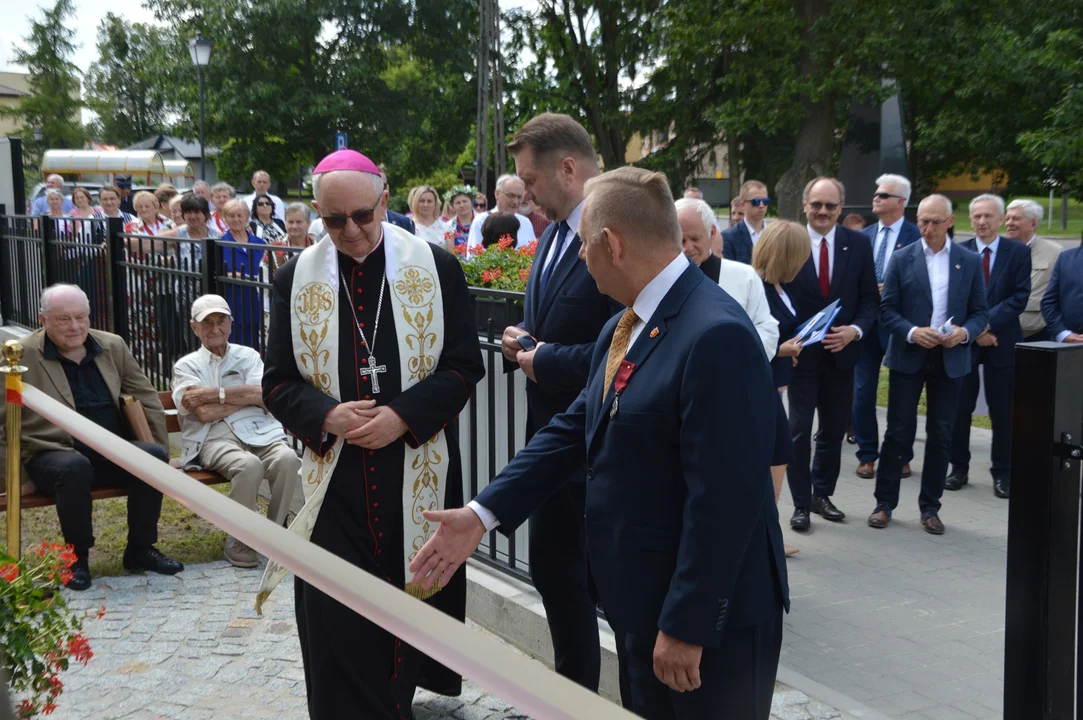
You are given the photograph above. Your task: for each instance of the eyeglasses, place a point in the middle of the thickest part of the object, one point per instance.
(818, 206)
(481, 205)
(885, 196)
(756, 202)
(932, 221)
(359, 217)
(264, 205)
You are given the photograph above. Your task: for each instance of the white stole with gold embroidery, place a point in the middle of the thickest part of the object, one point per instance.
(418, 309)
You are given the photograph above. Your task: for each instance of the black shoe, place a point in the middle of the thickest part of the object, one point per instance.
(1000, 487)
(851, 439)
(826, 509)
(148, 559)
(80, 577)
(955, 481)
(800, 519)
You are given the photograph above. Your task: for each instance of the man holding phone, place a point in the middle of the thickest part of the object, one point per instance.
(563, 315)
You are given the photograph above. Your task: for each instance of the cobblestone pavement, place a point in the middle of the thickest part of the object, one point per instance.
(910, 624)
(192, 647)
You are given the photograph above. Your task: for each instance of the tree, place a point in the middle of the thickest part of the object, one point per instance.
(589, 58)
(132, 86)
(53, 106)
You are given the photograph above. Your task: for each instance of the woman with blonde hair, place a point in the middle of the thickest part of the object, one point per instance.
(424, 203)
(777, 257)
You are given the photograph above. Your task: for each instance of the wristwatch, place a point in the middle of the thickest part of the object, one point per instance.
(221, 396)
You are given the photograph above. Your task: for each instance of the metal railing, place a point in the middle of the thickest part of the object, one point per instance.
(142, 288)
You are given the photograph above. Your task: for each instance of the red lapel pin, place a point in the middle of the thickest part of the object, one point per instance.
(654, 333)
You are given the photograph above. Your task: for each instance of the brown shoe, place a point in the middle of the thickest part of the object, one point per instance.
(879, 519)
(906, 471)
(791, 550)
(932, 525)
(867, 470)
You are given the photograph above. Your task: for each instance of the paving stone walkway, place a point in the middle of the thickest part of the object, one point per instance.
(910, 624)
(191, 647)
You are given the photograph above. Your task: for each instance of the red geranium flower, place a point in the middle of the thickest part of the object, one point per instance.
(9, 573)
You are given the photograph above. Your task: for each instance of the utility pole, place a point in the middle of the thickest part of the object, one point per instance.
(490, 94)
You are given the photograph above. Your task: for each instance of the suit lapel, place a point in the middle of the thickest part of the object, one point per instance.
(109, 374)
(565, 263)
(55, 371)
(530, 305)
(994, 271)
(645, 344)
(842, 260)
(921, 272)
(955, 280)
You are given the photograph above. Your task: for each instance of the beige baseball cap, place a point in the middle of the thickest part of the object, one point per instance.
(208, 304)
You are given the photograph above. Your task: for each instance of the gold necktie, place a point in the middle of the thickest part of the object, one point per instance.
(618, 348)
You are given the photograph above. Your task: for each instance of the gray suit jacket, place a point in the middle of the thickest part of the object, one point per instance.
(1043, 256)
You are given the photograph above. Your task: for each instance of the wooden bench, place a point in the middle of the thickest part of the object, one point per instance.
(172, 425)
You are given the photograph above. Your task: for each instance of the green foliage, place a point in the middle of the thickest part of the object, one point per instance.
(132, 86)
(39, 635)
(53, 105)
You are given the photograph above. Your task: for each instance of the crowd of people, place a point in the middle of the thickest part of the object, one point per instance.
(627, 503)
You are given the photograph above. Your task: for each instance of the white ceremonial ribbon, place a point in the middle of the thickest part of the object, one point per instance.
(418, 310)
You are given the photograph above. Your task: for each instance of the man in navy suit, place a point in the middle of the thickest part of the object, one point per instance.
(891, 233)
(933, 304)
(1006, 274)
(840, 268)
(1062, 306)
(563, 313)
(741, 236)
(680, 518)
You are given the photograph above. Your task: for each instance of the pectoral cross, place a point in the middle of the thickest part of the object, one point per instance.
(373, 369)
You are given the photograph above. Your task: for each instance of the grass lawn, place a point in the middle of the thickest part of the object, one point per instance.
(979, 421)
(1075, 217)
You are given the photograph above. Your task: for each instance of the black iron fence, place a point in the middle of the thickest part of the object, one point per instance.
(142, 288)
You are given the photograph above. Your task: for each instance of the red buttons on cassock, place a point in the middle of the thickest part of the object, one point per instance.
(362, 326)
(360, 308)
(380, 534)
(373, 487)
(372, 469)
(360, 290)
(375, 504)
(376, 520)
(365, 360)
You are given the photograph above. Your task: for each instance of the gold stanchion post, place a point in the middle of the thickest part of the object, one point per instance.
(13, 353)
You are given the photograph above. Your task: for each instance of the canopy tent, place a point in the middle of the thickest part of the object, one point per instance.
(180, 172)
(146, 163)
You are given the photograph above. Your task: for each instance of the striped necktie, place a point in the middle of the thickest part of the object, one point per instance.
(618, 348)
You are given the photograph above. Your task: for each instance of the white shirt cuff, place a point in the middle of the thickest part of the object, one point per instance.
(859, 333)
(487, 518)
(910, 335)
(1062, 335)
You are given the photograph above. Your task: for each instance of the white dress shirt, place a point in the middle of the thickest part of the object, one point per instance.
(993, 247)
(524, 237)
(239, 366)
(573, 229)
(742, 283)
(753, 233)
(893, 239)
(645, 305)
(280, 207)
(938, 265)
(818, 239)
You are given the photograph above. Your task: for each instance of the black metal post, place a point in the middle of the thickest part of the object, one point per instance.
(48, 262)
(5, 267)
(202, 142)
(1040, 663)
(210, 266)
(117, 276)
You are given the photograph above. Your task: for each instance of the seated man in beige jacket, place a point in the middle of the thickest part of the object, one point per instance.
(224, 425)
(88, 370)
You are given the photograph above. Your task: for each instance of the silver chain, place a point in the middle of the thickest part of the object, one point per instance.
(369, 347)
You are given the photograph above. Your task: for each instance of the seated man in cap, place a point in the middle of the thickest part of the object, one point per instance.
(224, 425)
(124, 182)
(88, 370)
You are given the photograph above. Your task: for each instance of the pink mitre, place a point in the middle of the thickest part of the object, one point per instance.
(346, 160)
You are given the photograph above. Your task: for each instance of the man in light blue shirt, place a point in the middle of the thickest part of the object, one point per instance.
(41, 207)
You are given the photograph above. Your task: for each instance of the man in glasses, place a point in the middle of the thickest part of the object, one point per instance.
(839, 269)
(739, 239)
(261, 185)
(933, 306)
(509, 195)
(890, 233)
(371, 354)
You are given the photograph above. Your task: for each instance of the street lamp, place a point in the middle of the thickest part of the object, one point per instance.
(39, 142)
(200, 49)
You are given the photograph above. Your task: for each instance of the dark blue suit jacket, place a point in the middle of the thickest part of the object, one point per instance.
(781, 367)
(402, 221)
(737, 243)
(1062, 304)
(853, 283)
(567, 318)
(682, 530)
(1006, 296)
(907, 302)
(908, 234)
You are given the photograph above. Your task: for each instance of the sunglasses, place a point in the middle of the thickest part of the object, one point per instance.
(262, 204)
(885, 196)
(818, 206)
(359, 217)
(756, 202)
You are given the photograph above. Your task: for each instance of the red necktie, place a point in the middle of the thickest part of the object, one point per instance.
(825, 269)
(985, 255)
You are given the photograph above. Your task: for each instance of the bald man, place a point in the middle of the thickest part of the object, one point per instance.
(41, 207)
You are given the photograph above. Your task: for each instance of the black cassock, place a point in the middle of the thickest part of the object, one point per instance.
(353, 668)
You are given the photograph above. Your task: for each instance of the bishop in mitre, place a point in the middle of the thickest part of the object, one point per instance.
(371, 355)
